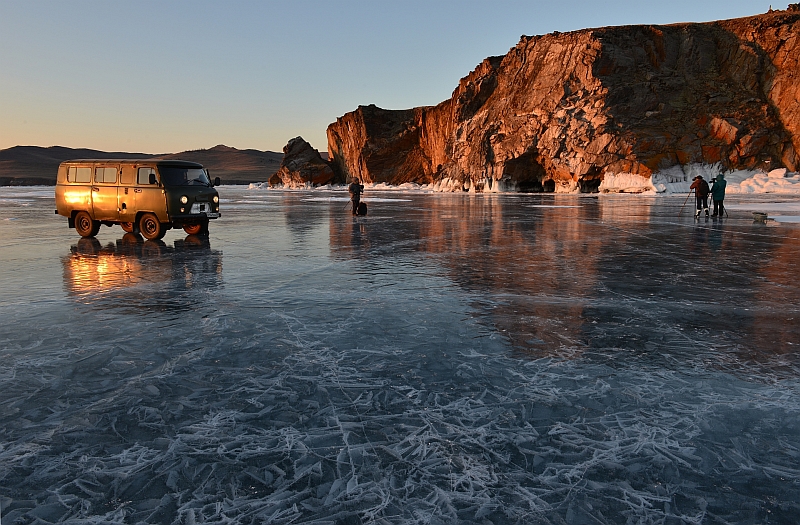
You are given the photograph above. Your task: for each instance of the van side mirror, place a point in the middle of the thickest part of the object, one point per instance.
(152, 178)
(216, 181)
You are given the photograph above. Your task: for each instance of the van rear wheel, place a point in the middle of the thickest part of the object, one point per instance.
(127, 227)
(151, 228)
(85, 225)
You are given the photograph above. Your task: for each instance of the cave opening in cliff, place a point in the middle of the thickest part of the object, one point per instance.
(590, 182)
(528, 174)
(589, 185)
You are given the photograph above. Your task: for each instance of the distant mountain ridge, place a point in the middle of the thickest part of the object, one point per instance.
(29, 165)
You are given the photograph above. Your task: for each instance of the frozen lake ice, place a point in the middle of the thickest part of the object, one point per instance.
(450, 358)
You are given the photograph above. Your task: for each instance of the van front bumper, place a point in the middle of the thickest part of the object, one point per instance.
(194, 217)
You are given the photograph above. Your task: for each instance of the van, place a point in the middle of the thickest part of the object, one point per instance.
(147, 197)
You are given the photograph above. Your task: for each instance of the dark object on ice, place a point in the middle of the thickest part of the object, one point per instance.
(701, 191)
(760, 217)
(356, 189)
(718, 194)
(362, 208)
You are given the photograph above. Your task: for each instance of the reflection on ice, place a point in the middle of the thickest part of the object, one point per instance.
(97, 274)
(450, 359)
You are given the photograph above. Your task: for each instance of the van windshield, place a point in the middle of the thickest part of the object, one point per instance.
(177, 176)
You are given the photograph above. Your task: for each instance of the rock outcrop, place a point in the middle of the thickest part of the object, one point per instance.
(302, 165)
(563, 111)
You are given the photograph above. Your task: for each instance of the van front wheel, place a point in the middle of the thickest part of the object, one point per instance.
(127, 227)
(85, 225)
(196, 229)
(151, 228)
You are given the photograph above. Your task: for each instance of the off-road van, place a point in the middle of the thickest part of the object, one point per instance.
(147, 197)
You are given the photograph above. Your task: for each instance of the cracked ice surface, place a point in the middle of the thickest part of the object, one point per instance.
(448, 358)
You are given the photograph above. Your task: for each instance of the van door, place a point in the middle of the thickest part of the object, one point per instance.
(150, 197)
(104, 193)
(127, 193)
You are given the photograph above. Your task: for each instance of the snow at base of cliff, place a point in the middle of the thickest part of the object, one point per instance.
(677, 179)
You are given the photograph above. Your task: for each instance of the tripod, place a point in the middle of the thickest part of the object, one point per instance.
(721, 208)
(684, 202)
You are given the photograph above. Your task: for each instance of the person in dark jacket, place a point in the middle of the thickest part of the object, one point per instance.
(355, 189)
(701, 191)
(718, 194)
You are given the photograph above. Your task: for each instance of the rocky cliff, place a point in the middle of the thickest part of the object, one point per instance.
(563, 112)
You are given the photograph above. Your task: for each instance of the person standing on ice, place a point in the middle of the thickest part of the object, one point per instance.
(701, 191)
(355, 189)
(718, 194)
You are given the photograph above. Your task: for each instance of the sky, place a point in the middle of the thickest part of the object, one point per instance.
(169, 76)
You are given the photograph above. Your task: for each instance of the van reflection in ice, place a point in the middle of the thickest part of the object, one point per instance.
(132, 273)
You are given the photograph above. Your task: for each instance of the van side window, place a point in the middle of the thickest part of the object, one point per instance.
(105, 175)
(143, 176)
(126, 175)
(76, 174)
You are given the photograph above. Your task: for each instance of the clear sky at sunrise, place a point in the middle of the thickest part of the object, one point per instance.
(167, 76)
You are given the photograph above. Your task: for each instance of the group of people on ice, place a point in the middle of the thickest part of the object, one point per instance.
(702, 191)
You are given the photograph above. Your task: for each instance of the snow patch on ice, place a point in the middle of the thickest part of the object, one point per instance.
(626, 183)
(776, 181)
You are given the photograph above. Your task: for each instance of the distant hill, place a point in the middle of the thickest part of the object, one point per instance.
(233, 166)
(27, 165)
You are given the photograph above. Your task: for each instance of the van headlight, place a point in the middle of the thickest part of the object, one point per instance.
(184, 199)
(216, 199)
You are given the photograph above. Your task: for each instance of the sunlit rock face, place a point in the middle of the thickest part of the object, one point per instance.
(561, 111)
(302, 165)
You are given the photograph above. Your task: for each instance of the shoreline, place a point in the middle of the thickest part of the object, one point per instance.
(775, 206)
